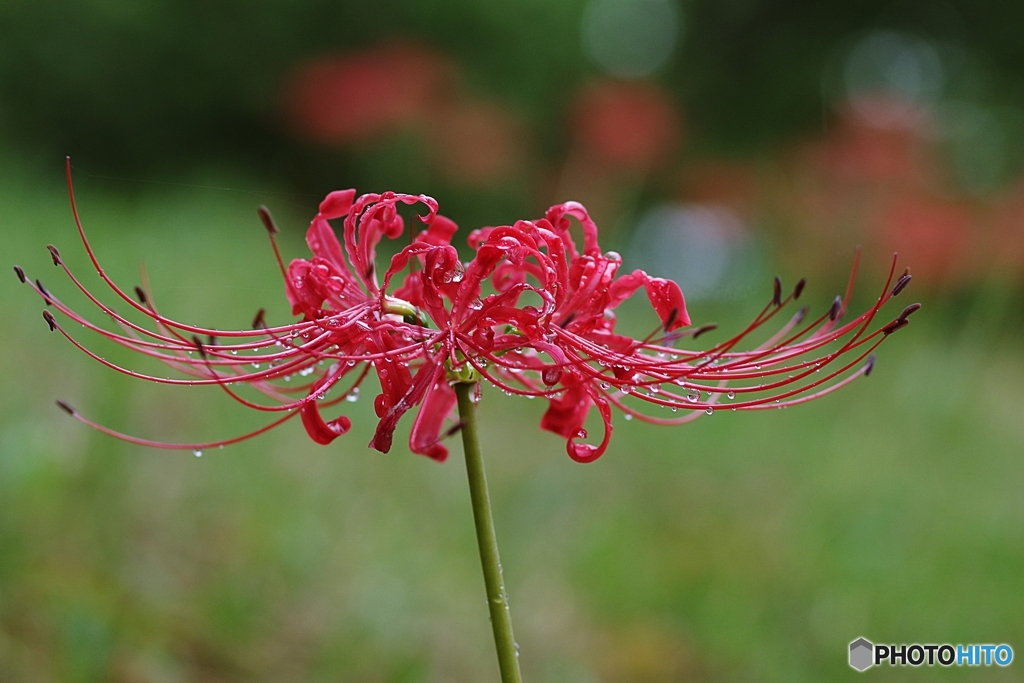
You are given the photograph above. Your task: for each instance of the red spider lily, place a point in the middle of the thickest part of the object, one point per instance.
(438, 326)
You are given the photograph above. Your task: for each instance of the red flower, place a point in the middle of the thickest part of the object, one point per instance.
(439, 326)
(569, 352)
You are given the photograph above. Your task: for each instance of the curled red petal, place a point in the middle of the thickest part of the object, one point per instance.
(668, 302)
(424, 380)
(324, 243)
(337, 204)
(440, 231)
(585, 452)
(426, 430)
(565, 415)
(322, 432)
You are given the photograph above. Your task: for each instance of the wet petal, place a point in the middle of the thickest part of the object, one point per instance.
(322, 432)
(337, 204)
(668, 302)
(426, 430)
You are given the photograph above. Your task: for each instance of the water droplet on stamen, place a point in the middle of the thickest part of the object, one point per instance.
(198, 453)
(710, 410)
(731, 395)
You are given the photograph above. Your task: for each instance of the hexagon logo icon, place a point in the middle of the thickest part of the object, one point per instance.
(861, 651)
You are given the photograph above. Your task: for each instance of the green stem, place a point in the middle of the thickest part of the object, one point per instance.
(497, 599)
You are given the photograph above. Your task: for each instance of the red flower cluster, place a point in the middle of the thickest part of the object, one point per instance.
(432, 320)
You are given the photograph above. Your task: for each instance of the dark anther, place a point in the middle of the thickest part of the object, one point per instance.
(211, 340)
(837, 306)
(258, 321)
(908, 311)
(895, 325)
(42, 290)
(199, 345)
(901, 284)
(704, 328)
(777, 293)
(139, 292)
(453, 430)
(799, 289)
(65, 407)
(800, 315)
(869, 366)
(268, 220)
(672, 315)
(20, 273)
(54, 254)
(48, 317)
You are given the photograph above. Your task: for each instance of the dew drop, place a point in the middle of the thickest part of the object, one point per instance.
(198, 453)
(353, 395)
(627, 416)
(693, 396)
(709, 410)
(731, 395)
(256, 365)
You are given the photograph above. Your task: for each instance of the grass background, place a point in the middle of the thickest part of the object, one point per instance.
(742, 547)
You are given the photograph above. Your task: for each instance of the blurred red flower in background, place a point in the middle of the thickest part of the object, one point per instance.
(354, 98)
(630, 126)
(348, 98)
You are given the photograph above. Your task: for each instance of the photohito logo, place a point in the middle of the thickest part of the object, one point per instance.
(864, 654)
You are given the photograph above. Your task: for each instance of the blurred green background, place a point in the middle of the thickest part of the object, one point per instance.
(715, 142)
